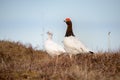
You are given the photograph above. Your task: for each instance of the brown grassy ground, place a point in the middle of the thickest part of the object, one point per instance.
(20, 62)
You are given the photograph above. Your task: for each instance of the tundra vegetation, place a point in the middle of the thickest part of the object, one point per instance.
(22, 62)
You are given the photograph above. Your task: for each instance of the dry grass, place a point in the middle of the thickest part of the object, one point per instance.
(20, 62)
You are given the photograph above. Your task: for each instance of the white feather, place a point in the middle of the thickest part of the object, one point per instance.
(73, 46)
(53, 48)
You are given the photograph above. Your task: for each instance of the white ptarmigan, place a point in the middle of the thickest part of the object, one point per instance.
(52, 48)
(71, 44)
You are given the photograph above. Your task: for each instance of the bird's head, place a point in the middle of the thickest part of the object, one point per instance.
(69, 31)
(49, 33)
(68, 21)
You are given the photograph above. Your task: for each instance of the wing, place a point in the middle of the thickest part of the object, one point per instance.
(74, 44)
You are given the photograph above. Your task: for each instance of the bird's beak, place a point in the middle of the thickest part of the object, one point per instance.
(64, 20)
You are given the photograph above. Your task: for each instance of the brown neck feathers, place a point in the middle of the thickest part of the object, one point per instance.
(69, 31)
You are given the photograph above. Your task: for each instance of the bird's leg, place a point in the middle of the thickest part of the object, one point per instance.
(71, 57)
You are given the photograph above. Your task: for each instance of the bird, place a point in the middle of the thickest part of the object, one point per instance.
(51, 47)
(71, 44)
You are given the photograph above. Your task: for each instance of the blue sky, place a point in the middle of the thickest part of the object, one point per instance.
(28, 21)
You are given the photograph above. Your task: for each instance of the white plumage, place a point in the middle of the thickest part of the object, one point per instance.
(52, 48)
(71, 44)
(74, 46)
